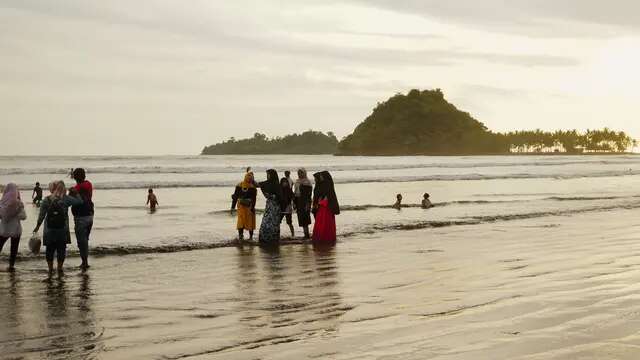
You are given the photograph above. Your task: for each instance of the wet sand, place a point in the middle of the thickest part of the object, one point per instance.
(559, 287)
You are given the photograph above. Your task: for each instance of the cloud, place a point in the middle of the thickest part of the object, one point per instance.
(230, 68)
(534, 18)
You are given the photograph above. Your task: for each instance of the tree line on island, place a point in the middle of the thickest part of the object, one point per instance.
(308, 143)
(424, 123)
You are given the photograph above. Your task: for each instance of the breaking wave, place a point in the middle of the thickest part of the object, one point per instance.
(367, 229)
(120, 185)
(213, 169)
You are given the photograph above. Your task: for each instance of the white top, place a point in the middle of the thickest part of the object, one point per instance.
(12, 227)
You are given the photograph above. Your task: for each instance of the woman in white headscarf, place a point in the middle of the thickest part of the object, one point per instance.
(11, 213)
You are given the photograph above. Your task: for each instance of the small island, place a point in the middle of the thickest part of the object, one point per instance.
(308, 143)
(423, 122)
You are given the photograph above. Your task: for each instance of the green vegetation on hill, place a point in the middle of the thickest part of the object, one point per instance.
(309, 143)
(424, 123)
(420, 123)
(570, 142)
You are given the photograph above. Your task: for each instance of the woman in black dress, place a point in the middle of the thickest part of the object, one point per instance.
(302, 191)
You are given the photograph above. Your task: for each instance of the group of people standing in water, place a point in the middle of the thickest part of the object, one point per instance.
(54, 215)
(283, 197)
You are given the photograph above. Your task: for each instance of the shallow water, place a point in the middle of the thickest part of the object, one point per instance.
(194, 192)
(522, 257)
(556, 287)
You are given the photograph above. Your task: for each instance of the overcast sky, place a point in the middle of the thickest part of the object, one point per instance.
(169, 77)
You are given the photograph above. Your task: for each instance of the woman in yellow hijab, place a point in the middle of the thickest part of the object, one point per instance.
(244, 198)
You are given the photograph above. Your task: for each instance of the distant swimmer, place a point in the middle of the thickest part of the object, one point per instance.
(426, 203)
(36, 196)
(398, 204)
(152, 201)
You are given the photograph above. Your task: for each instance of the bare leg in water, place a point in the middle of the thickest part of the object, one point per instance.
(15, 241)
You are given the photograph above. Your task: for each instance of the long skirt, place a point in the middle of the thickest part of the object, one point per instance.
(304, 214)
(270, 226)
(246, 218)
(324, 229)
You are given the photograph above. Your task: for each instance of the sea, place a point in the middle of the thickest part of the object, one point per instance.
(194, 192)
(522, 257)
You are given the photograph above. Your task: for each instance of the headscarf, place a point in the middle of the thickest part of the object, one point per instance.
(248, 182)
(10, 204)
(325, 188)
(300, 181)
(272, 185)
(58, 189)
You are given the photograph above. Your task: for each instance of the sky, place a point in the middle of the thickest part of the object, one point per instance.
(93, 77)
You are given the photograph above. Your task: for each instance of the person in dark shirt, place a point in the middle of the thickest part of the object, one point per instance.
(152, 201)
(36, 196)
(83, 215)
(303, 190)
(426, 203)
(398, 203)
(287, 204)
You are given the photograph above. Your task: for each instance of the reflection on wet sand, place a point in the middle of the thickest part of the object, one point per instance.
(287, 294)
(52, 318)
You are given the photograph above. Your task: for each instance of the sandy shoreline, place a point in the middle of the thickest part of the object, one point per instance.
(556, 287)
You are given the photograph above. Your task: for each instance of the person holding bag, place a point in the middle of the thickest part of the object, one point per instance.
(54, 213)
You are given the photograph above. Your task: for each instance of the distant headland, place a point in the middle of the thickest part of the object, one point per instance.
(308, 143)
(424, 123)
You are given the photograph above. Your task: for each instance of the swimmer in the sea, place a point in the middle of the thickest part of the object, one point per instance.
(426, 203)
(152, 201)
(36, 196)
(398, 204)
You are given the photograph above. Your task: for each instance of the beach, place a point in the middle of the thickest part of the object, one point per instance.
(554, 288)
(521, 258)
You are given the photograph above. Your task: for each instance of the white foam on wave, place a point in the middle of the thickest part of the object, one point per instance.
(226, 169)
(357, 180)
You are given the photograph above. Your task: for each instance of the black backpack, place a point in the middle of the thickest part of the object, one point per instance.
(56, 218)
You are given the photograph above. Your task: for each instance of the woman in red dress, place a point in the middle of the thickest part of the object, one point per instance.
(325, 209)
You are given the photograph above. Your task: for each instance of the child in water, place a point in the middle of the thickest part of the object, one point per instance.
(426, 203)
(152, 201)
(398, 204)
(36, 196)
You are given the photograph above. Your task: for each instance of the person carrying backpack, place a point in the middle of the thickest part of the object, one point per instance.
(54, 213)
(83, 215)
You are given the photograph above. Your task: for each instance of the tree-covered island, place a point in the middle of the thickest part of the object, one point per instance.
(308, 143)
(424, 123)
